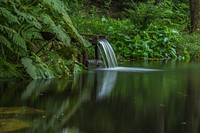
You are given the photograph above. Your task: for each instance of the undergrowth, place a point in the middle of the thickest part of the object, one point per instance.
(145, 30)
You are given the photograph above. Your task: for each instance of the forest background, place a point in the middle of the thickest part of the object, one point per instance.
(46, 38)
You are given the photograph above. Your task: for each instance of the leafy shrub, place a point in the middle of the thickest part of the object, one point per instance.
(20, 32)
(157, 42)
(130, 42)
(146, 30)
(192, 43)
(165, 13)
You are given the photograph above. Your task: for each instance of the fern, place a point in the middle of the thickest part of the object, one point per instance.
(29, 32)
(36, 68)
(4, 41)
(30, 68)
(29, 18)
(61, 34)
(21, 23)
(17, 39)
(59, 7)
(55, 5)
(8, 15)
(73, 31)
(58, 30)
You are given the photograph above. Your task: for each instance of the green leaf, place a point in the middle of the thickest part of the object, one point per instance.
(56, 5)
(166, 40)
(17, 39)
(28, 17)
(30, 68)
(4, 41)
(12, 34)
(36, 68)
(8, 15)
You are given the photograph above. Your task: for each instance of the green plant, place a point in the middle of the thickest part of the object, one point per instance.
(36, 68)
(165, 13)
(191, 42)
(20, 32)
(162, 40)
(146, 30)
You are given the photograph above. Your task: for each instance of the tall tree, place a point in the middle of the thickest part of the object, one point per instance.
(195, 15)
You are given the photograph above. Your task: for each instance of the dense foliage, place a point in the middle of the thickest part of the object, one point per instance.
(36, 36)
(144, 30)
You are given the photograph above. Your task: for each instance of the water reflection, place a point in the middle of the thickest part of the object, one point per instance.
(105, 102)
(192, 108)
(11, 125)
(153, 102)
(48, 104)
(104, 83)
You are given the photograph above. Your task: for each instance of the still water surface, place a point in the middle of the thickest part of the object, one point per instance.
(152, 97)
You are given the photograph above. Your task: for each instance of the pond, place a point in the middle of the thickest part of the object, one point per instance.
(140, 97)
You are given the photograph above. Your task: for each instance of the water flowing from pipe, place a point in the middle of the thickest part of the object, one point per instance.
(107, 53)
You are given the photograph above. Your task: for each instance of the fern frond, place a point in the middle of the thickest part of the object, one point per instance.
(29, 32)
(17, 39)
(5, 42)
(60, 7)
(6, 30)
(57, 30)
(61, 34)
(28, 17)
(8, 15)
(37, 70)
(73, 30)
(55, 5)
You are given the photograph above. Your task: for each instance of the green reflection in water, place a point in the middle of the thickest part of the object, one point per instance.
(46, 104)
(108, 101)
(146, 102)
(9, 125)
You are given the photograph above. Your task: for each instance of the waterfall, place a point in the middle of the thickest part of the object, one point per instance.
(107, 53)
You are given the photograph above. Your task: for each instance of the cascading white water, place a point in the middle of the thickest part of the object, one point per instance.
(107, 53)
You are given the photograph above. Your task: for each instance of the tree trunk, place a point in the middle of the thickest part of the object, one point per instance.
(195, 15)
